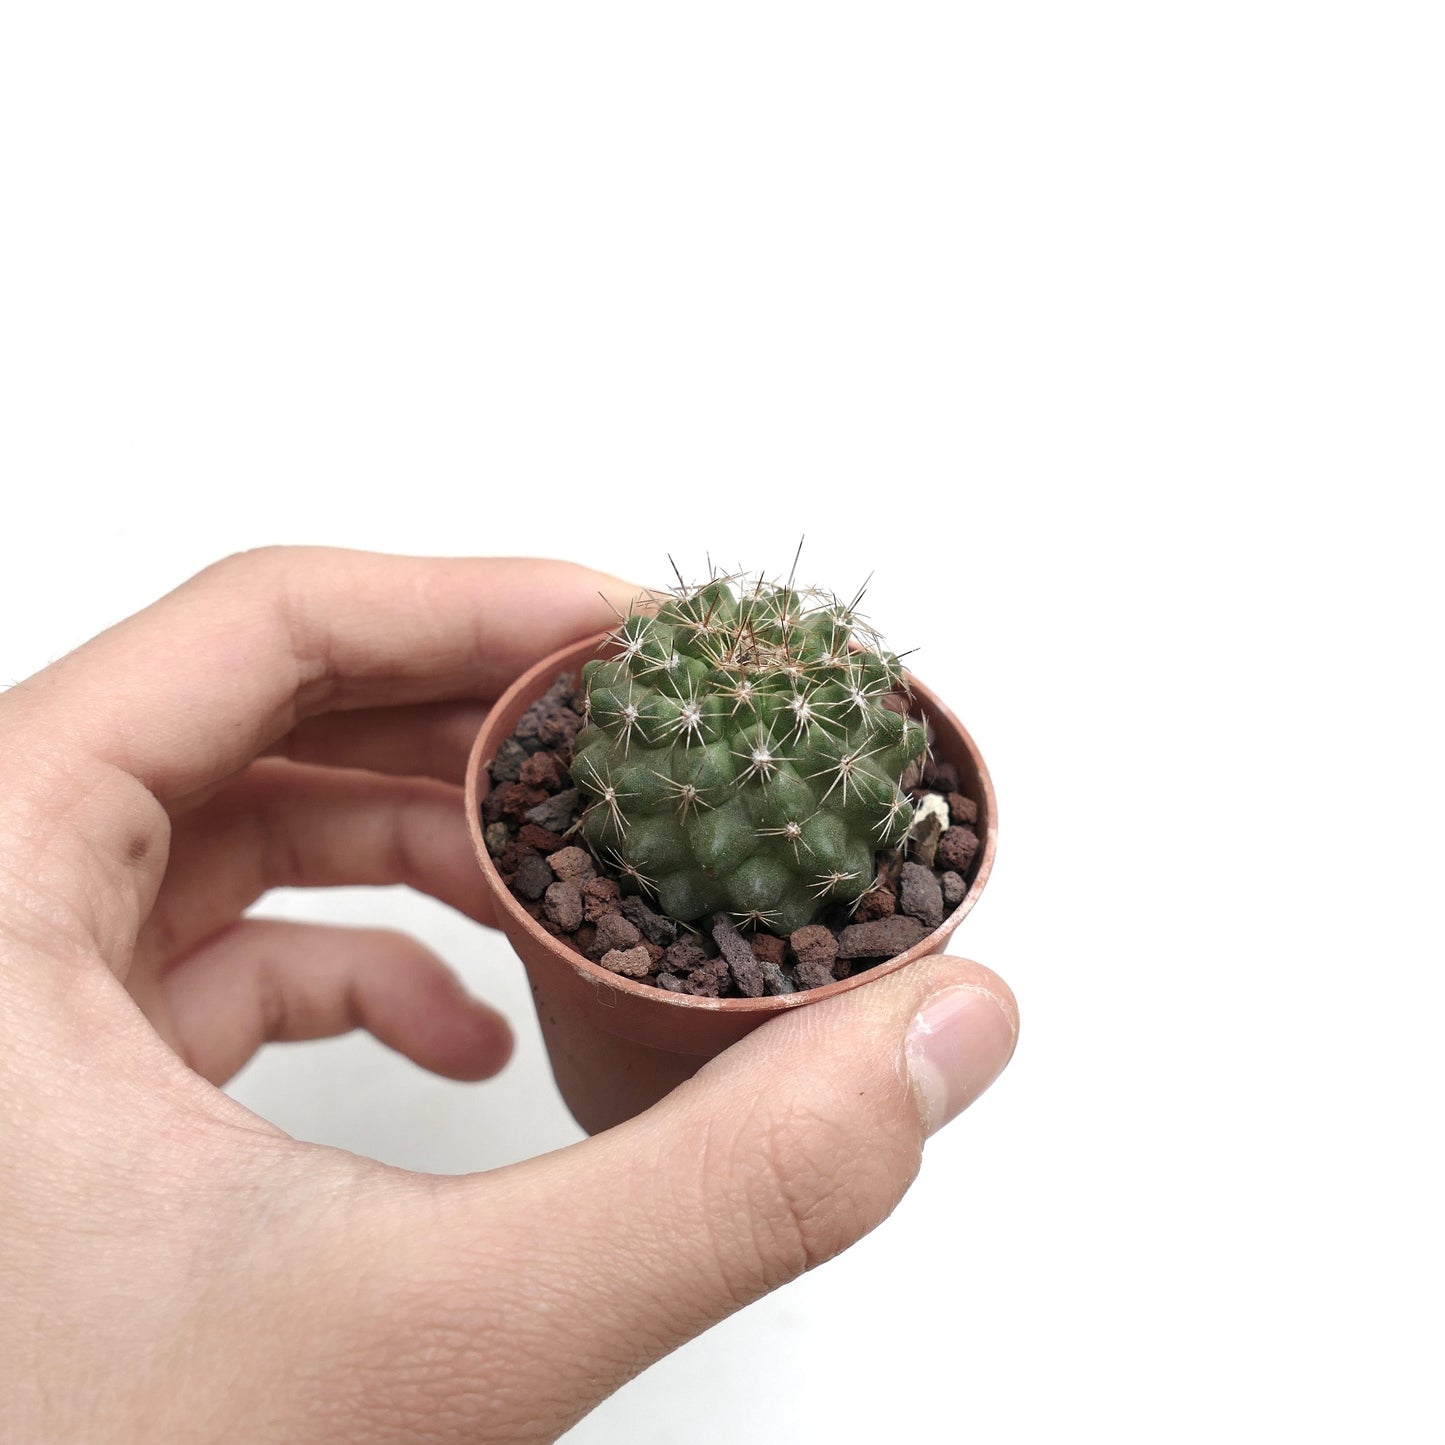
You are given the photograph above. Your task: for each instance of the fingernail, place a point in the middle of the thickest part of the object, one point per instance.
(957, 1045)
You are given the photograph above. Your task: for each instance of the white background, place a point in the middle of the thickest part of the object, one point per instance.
(1107, 337)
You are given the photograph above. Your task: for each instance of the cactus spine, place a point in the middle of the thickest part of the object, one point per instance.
(739, 754)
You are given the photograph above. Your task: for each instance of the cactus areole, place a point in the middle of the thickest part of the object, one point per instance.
(740, 754)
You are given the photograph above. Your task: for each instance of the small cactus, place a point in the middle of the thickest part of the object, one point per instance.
(739, 754)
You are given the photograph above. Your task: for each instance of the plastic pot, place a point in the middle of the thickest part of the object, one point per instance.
(617, 1046)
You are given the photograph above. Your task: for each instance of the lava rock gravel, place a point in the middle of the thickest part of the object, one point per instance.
(530, 818)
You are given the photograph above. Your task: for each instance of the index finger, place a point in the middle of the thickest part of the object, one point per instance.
(191, 688)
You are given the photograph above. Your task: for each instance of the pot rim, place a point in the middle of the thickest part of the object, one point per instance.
(532, 684)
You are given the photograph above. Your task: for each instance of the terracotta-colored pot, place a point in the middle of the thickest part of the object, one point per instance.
(617, 1046)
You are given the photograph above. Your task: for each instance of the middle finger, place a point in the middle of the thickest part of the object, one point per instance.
(425, 740)
(284, 824)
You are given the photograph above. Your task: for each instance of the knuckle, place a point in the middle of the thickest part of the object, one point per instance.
(804, 1192)
(275, 582)
(405, 950)
(815, 1183)
(249, 563)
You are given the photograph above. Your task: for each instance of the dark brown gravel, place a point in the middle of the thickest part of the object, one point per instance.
(629, 962)
(557, 813)
(684, 956)
(533, 807)
(600, 896)
(533, 877)
(563, 905)
(539, 840)
(653, 926)
(744, 965)
(710, 979)
(963, 811)
(813, 975)
(882, 902)
(814, 944)
(768, 948)
(956, 849)
(518, 799)
(614, 931)
(507, 765)
(922, 896)
(880, 939)
(543, 770)
(573, 865)
(940, 776)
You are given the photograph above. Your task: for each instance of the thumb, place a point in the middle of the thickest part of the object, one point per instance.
(534, 1292)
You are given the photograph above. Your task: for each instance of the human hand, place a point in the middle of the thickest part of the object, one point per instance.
(173, 1267)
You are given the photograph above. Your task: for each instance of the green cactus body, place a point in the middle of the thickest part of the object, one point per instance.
(738, 755)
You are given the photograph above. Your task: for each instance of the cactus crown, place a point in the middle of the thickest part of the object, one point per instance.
(740, 755)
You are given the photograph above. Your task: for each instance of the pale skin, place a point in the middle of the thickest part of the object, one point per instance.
(173, 1267)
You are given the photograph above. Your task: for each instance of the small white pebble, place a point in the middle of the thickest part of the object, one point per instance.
(932, 806)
